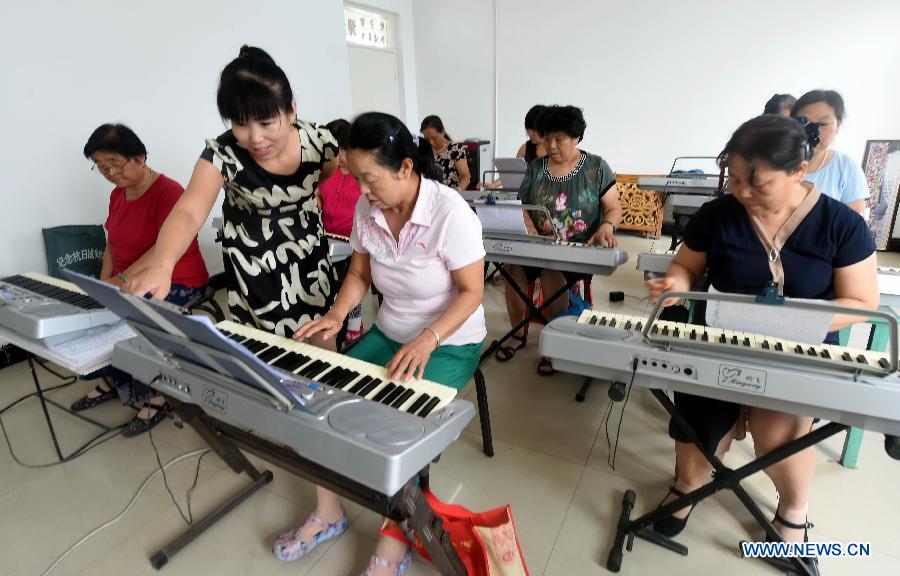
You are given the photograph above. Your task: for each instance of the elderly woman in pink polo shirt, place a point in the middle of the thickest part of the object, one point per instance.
(420, 243)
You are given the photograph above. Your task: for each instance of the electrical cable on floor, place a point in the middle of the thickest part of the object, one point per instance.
(67, 380)
(83, 450)
(611, 456)
(189, 517)
(95, 531)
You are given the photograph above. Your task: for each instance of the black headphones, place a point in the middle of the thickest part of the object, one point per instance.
(812, 134)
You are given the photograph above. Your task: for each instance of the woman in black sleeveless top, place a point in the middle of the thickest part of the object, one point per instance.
(532, 149)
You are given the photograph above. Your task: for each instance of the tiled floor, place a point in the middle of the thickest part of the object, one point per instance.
(550, 464)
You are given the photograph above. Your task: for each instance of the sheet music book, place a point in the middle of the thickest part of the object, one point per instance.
(500, 217)
(87, 353)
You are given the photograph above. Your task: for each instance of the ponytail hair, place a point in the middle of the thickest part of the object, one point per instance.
(391, 142)
(253, 87)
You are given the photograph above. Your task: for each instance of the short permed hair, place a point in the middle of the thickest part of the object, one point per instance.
(566, 119)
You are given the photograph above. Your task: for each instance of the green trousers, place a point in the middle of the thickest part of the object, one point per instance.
(448, 365)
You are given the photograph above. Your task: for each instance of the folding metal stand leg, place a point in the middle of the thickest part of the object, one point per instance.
(235, 460)
(421, 519)
(229, 443)
(724, 478)
(39, 392)
(535, 313)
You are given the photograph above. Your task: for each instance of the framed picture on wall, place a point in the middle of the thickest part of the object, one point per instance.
(881, 165)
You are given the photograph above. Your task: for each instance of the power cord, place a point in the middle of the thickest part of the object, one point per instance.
(611, 455)
(97, 530)
(81, 452)
(67, 381)
(189, 517)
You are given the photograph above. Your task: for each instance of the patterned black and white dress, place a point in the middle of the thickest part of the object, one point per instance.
(276, 260)
(446, 160)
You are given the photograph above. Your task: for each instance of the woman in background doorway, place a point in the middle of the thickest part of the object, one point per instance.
(449, 156)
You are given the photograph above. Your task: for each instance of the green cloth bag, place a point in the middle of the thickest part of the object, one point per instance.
(77, 247)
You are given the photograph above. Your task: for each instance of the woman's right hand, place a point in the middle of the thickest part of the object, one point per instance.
(155, 279)
(328, 325)
(656, 286)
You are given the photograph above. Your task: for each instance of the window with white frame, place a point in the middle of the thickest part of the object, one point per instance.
(365, 28)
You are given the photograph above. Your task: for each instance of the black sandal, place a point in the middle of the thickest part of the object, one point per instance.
(140, 425)
(85, 402)
(506, 353)
(545, 367)
(805, 527)
(672, 526)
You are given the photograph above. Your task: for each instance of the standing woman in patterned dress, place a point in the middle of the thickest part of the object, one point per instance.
(279, 276)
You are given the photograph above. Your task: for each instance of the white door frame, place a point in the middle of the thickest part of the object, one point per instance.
(397, 43)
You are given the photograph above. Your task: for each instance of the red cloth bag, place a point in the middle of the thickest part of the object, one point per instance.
(486, 542)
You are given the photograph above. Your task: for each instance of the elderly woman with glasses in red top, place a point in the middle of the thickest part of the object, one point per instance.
(138, 206)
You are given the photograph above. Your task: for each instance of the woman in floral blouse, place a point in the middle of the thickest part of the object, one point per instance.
(579, 191)
(449, 157)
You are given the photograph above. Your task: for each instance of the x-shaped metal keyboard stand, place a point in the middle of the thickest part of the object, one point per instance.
(230, 443)
(535, 313)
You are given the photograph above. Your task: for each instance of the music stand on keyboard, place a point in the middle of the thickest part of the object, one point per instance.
(194, 345)
(534, 313)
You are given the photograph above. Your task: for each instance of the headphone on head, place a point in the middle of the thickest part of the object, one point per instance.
(812, 135)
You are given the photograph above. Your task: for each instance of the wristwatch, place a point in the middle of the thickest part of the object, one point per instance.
(123, 277)
(611, 224)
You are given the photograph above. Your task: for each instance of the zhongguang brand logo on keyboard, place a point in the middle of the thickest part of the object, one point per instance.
(502, 247)
(743, 379)
(215, 399)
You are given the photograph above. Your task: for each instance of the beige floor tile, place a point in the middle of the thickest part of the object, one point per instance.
(589, 528)
(645, 452)
(66, 502)
(239, 544)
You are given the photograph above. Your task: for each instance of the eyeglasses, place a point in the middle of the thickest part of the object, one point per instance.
(110, 168)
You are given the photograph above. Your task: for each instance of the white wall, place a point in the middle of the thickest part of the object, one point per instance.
(402, 10)
(455, 65)
(657, 79)
(71, 66)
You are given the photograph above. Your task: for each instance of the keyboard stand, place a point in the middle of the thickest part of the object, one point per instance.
(724, 478)
(230, 443)
(39, 393)
(535, 313)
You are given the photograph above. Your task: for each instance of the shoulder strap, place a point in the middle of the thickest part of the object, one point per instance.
(773, 246)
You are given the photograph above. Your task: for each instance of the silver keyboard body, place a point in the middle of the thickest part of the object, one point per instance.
(366, 441)
(338, 249)
(42, 317)
(869, 401)
(688, 204)
(654, 263)
(701, 184)
(545, 253)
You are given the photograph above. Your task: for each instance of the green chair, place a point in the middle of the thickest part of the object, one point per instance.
(879, 337)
